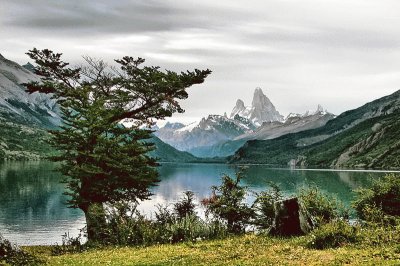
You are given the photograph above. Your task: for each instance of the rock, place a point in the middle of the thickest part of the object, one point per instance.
(261, 109)
(291, 219)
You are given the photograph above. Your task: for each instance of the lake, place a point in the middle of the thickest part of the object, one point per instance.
(32, 209)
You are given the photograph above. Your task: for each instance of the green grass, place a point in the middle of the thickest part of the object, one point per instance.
(242, 250)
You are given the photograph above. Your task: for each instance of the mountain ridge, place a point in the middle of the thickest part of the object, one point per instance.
(328, 145)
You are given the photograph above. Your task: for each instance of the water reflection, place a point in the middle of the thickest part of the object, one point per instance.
(32, 209)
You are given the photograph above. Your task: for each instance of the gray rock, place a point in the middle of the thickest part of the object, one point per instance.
(291, 219)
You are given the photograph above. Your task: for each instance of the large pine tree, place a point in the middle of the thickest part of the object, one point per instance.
(104, 161)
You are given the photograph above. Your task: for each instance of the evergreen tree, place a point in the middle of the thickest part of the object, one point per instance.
(102, 160)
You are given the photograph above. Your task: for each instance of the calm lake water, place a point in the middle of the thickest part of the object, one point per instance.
(32, 209)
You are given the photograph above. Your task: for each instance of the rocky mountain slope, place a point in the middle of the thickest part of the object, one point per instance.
(167, 153)
(363, 137)
(293, 123)
(19, 106)
(209, 131)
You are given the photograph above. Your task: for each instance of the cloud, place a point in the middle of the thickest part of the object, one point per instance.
(335, 52)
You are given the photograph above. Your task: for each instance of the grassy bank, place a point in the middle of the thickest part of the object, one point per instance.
(242, 250)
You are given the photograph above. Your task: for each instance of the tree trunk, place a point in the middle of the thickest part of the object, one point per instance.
(95, 221)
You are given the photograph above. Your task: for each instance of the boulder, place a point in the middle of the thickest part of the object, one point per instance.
(291, 219)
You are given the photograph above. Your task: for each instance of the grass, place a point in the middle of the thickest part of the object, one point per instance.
(241, 250)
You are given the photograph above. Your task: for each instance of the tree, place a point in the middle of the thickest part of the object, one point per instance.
(227, 203)
(102, 160)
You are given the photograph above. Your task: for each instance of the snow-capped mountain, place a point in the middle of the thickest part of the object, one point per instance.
(19, 105)
(218, 135)
(261, 109)
(206, 132)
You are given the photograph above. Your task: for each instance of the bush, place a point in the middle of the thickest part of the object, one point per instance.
(380, 235)
(334, 234)
(69, 245)
(186, 206)
(381, 202)
(128, 227)
(192, 228)
(13, 255)
(227, 203)
(322, 207)
(263, 206)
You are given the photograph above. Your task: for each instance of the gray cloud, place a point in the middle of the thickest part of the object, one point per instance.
(337, 53)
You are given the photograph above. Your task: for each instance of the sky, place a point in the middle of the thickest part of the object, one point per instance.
(337, 53)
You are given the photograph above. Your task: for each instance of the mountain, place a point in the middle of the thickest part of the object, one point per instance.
(167, 153)
(220, 136)
(19, 106)
(24, 117)
(363, 137)
(201, 138)
(206, 132)
(268, 130)
(261, 109)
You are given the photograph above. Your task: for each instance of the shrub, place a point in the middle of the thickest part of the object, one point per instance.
(382, 198)
(192, 228)
(13, 255)
(227, 203)
(126, 226)
(164, 215)
(380, 235)
(334, 234)
(69, 245)
(322, 207)
(186, 206)
(263, 206)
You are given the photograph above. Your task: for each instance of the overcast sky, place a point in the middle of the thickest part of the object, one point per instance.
(337, 53)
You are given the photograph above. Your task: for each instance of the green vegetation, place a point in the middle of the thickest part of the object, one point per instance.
(13, 255)
(334, 234)
(227, 204)
(247, 249)
(324, 208)
(166, 153)
(380, 203)
(263, 206)
(21, 142)
(103, 161)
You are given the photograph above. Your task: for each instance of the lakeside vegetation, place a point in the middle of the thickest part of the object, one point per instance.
(177, 236)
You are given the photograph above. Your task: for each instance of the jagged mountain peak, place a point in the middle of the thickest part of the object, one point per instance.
(259, 97)
(320, 111)
(175, 125)
(261, 109)
(30, 67)
(240, 103)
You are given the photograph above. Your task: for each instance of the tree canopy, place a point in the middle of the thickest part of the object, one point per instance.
(103, 160)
